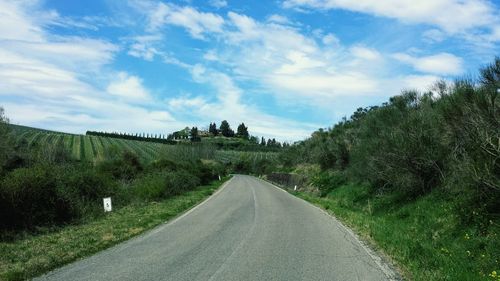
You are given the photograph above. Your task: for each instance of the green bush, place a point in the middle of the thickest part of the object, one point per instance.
(125, 167)
(160, 185)
(326, 181)
(179, 182)
(49, 194)
(151, 187)
(81, 189)
(28, 197)
(447, 139)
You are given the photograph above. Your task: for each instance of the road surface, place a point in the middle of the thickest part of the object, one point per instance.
(250, 230)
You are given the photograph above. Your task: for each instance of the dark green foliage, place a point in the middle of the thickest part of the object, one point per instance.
(326, 181)
(225, 129)
(5, 140)
(158, 138)
(47, 194)
(161, 185)
(213, 129)
(194, 136)
(40, 185)
(242, 131)
(417, 142)
(126, 166)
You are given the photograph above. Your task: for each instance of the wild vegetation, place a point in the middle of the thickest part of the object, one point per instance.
(420, 174)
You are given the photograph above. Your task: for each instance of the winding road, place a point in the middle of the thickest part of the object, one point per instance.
(248, 230)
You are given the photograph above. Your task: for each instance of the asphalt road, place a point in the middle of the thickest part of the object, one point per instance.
(250, 230)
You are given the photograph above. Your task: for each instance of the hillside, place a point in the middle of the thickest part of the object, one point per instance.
(96, 148)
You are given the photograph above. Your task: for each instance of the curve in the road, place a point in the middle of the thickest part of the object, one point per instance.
(249, 230)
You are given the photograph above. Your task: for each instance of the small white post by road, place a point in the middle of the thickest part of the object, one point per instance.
(295, 188)
(219, 177)
(107, 204)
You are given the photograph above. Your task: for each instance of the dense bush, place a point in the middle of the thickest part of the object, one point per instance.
(48, 194)
(326, 181)
(448, 138)
(42, 186)
(123, 166)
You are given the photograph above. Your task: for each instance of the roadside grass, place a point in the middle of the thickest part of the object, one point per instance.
(424, 237)
(30, 255)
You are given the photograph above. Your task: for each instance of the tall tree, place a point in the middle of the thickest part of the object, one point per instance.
(5, 139)
(194, 135)
(213, 129)
(263, 141)
(225, 129)
(242, 131)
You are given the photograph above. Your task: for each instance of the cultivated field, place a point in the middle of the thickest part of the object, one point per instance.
(96, 148)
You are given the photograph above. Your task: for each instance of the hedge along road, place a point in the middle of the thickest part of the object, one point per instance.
(249, 230)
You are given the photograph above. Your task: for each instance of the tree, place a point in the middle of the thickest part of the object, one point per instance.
(213, 129)
(242, 131)
(263, 141)
(194, 135)
(5, 139)
(225, 129)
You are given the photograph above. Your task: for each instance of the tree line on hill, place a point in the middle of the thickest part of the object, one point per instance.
(194, 134)
(159, 138)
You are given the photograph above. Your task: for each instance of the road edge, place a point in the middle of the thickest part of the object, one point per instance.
(135, 239)
(386, 265)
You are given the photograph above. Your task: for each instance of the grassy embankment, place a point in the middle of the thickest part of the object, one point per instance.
(424, 237)
(31, 255)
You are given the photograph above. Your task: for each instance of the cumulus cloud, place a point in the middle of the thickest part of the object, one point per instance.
(229, 106)
(129, 87)
(47, 77)
(452, 16)
(197, 23)
(441, 64)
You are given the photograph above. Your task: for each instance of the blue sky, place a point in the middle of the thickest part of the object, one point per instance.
(284, 67)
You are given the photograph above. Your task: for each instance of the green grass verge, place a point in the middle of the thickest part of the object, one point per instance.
(424, 237)
(33, 255)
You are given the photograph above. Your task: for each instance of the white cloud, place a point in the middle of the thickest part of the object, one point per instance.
(290, 64)
(419, 82)
(298, 63)
(330, 40)
(278, 19)
(143, 46)
(365, 53)
(128, 87)
(218, 3)
(229, 106)
(197, 23)
(452, 16)
(441, 64)
(186, 102)
(15, 24)
(47, 76)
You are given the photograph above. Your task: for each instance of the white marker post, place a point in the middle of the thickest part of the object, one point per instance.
(295, 188)
(219, 177)
(107, 204)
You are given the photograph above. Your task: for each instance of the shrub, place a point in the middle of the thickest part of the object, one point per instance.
(125, 167)
(81, 189)
(326, 181)
(28, 197)
(52, 194)
(181, 181)
(151, 187)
